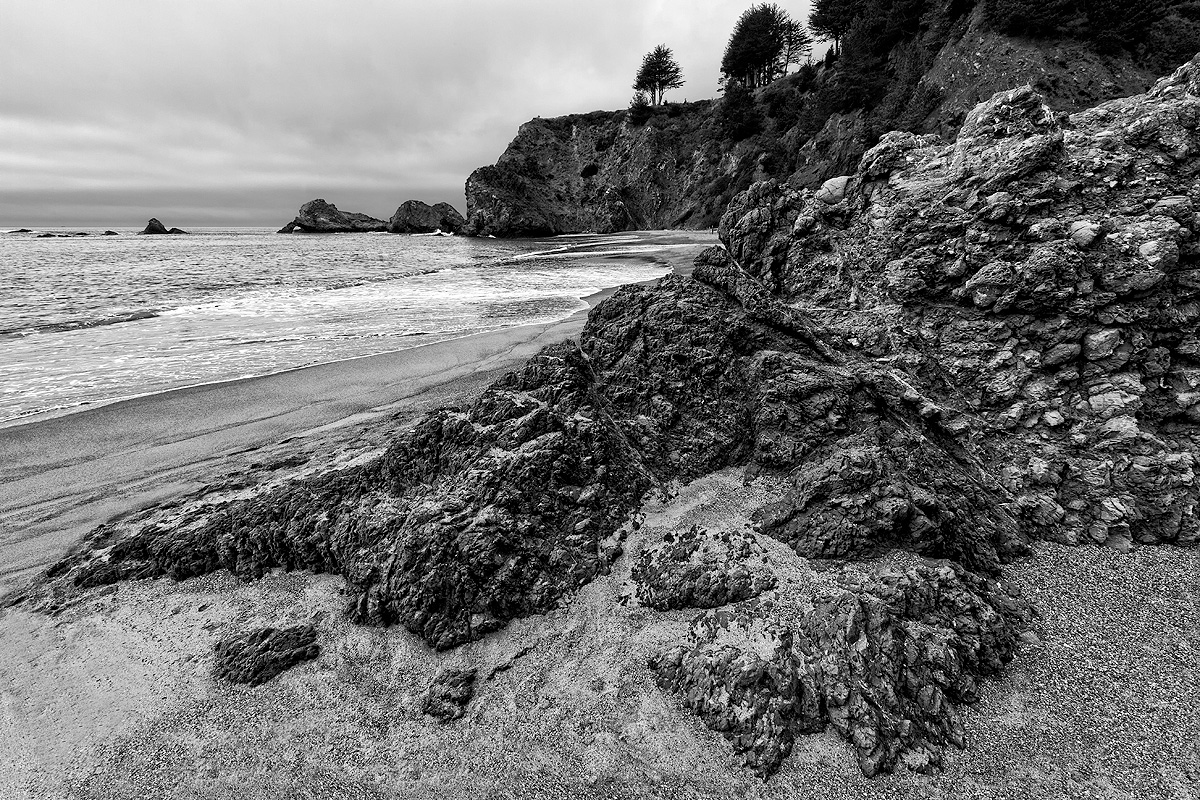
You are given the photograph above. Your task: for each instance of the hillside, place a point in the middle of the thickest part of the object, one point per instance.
(606, 172)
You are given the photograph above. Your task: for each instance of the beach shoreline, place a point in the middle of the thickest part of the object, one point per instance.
(64, 473)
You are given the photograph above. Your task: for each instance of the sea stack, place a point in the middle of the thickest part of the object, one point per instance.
(317, 216)
(413, 216)
(156, 228)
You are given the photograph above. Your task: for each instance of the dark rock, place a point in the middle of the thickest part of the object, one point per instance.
(317, 216)
(883, 659)
(257, 656)
(157, 228)
(413, 216)
(21, 230)
(110, 233)
(701, 569)
(47, 236)
(447, 697)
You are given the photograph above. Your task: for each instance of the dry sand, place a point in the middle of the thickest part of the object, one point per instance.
(114, 698)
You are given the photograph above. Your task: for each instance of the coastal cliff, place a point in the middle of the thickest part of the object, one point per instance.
(605, 171)
(955, 351)
(597, 172)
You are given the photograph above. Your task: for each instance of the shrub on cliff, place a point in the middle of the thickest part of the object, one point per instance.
(739, 116)
(640, 109)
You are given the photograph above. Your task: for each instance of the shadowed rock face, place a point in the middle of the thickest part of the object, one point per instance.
(413, 216)
(956, 349)
(317, 216)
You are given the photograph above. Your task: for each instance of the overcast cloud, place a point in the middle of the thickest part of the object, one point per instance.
(228, 112)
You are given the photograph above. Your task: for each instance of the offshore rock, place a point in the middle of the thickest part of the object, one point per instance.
(413, 216)
(154, 227)
(317, 216)
(701, 569)
(259, 655)
(447, 697)
(883, 658)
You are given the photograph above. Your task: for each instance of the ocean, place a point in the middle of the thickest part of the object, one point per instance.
(92, 319)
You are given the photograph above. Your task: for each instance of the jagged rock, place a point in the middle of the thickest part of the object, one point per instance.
(257, 656)
(1037, 279)
(317, 216)
(883, 659)
(154, 227)
(743, 675)
(701, 569)
(413, 216)
(447, 697)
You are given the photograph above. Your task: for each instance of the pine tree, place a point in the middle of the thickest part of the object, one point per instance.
(659, 72)
(765, 41)
(831, 19)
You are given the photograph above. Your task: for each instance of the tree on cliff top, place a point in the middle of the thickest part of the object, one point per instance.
(659, 72)
(831, 19)
(765, 41)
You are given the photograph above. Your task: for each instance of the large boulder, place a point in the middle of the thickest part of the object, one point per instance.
(317, 216)
(258, 655)
(413, 216)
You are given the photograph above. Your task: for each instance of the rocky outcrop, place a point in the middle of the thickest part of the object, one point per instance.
(883, 659)
(701, 569)
(958, 348)
(257, 656)
(317, 216)
(154, 227)
(598, 172)
(413, 216)
(447, 697)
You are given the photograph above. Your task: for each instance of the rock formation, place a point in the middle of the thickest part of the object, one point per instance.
(596, 172)
(413, 216)
(157, 228)
(259, 655)
(958, 348)
(701, 569)
(317, 216)
(447, 697)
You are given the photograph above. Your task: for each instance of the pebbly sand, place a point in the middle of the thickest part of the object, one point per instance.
(114, 698)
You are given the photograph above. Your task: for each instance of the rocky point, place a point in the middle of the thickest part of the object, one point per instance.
(959, 348)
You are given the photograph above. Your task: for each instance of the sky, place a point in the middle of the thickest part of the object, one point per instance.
(235, 112)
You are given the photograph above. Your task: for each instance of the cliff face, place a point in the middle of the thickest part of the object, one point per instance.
(957, 349)
(598, 172)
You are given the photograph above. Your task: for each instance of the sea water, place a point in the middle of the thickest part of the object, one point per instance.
(91, 319)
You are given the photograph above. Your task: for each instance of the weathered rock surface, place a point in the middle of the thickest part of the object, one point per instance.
(597, 172)
(447, 697)
(1036, 284)
(959, 348)
(883, 659)
(317, 216)
(154, 227)
(701, 569)
(259, 655)
(413, 216)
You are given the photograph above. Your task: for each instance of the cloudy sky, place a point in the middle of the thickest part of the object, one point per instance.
(228, 112)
